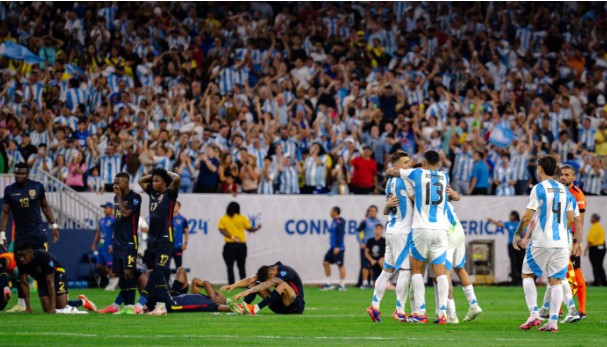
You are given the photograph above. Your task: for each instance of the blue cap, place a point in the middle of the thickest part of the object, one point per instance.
(108, 204)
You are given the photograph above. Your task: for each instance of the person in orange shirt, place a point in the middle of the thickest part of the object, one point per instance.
(568, 177)
(7, 267)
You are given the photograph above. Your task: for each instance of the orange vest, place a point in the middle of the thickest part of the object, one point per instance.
(12, 264)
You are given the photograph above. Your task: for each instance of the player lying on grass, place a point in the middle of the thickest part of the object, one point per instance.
(7, 267)
(51, 278)
(286, 298)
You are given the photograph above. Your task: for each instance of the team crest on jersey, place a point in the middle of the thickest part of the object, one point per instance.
(159, 199)
(135, 202)
(51, 264)
(32, 193)
(283, 273)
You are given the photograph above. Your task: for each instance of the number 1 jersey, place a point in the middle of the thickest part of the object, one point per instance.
(430, 203)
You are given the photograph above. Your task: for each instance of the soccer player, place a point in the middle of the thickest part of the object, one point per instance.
(398, 231)
(51, 278)
(548, 251)
(102, 244)
(7, 268)
(127, 207)
(25, 199)
(335, 254)
(286, 298)
(567, 178)
(181, 235)
(456, 259)
(163, 187)
(427, 187)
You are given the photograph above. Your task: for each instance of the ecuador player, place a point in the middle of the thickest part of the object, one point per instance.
(25, 199)
(162, 186)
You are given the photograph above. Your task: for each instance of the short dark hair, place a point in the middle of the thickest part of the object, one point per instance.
(431, 157)
(397, 155)
(548, 164)
(22, 165)
(233, 208)
(568, 167)
(162, 173)
(262, 273)
(337, 210)
(480, 154)
(119, 175)
(24, 246)
(515, 215)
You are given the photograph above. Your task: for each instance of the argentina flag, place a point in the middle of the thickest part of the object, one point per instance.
(501, 135)
(74, 70)
(12, 50)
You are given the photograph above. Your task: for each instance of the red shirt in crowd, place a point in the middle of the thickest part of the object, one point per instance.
(364, 172)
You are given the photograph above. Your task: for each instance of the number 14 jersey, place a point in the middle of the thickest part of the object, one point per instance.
(551, 201)
(428, 188)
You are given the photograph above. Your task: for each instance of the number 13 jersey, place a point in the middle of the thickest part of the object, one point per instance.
(429, 189)
(551, 201)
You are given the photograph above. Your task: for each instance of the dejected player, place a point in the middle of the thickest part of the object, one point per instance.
(163, 192)
(8, 265)
(25, 199)
(286, 298)
(51, 278)
(127, 206)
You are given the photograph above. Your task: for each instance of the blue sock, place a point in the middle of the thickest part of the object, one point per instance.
(143, 299)
(75, 303)
(119, 299)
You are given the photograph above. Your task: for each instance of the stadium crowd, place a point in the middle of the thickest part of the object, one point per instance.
(304, 97)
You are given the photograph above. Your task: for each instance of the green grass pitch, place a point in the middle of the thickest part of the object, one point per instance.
(331, 318)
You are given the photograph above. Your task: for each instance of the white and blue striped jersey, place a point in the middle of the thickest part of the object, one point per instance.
(33, 93)
(438, 110)
(94, 182)
(225, 80)
(430, 191)
(75, 97)
(38, 138)
(520, 164)
(110, 167)
(504, 175)
(289, 180)
(592, 181)
(400, 219)
(523, 34)
(462, 166)
(266, 187)
(316, 175)
(551, 200)
(586, 137)
(332, 25)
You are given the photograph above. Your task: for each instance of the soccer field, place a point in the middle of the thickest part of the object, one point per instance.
(335, 318)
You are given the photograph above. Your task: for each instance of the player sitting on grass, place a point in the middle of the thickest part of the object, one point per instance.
(286, 298)
(50, 275)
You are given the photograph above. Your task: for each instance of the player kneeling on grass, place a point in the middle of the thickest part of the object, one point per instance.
(51, 277)
(286, 298)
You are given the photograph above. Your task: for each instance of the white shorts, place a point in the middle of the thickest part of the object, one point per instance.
(429, 245)
(456, 248)
(553, 261)
(397, 251)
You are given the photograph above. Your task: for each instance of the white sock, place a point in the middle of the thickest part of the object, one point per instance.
(555, 302)
(342, 283)
(256, 308)
(531, 296)
(442, 284)
(116, 306)
(402, 290)
(436, 305)
(450, 307)
(419, 292)
(411, 297)
(470, 296)
(21, 302)
(380, 288)
(160, 305)
(567, 295)
(547, 296)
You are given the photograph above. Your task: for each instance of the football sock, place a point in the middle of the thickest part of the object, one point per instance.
(21, 302)
(75, 303)
(581, 289)
(130, 284)
(567, 294)
(119, 300)
(273, 297)
(342, 283)
(555, 302)
(402, 290)
(419, 293)
(436, 306)
(450, 307)
(443, 294)
(380, 288)
(160, 287)
(531, 296)
(470, 296)
(249, 298)
(548, 296)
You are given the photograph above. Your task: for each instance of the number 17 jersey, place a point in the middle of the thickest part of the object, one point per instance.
(430, 203)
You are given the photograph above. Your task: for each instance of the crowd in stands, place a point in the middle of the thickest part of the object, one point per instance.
(301, 97)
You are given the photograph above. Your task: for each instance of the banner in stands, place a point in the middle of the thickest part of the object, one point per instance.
(295, 230)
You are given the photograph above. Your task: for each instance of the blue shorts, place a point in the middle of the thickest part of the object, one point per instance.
(332, 258)
(104, 257)
(297, 306)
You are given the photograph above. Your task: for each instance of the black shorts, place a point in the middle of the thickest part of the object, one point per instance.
(576, 262)
(192, 303)
(60, 284)
(124, 259)
(331, 258)
(296, 307)
(364, 262)
(178, 288)
(161, 253)
(37, 243)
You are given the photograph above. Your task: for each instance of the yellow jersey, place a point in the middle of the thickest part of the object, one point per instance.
(235, 226)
